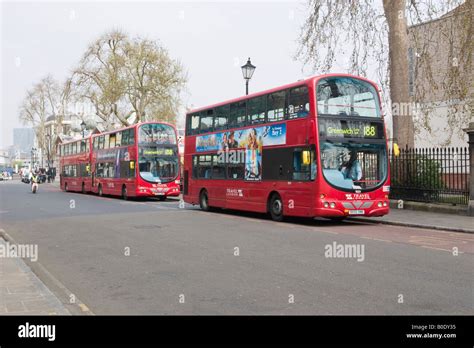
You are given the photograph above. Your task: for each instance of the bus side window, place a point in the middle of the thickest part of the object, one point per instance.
(193, 124)
(298, 102)
(276, 106)
(238, 114)
(112, 140)
(125, 137)
(131, 136)
(204, 167)
(106, 141)
(221, 117)
(195, 167)
(256, 109)
(118, 139)
(207, 120)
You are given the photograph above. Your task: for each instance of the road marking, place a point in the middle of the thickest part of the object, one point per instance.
(380, 240)
(327, 232)
(428, 247)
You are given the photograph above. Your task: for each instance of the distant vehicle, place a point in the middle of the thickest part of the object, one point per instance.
(25, 177)
(137, 161)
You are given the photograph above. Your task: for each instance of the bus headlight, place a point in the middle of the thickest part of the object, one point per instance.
(379, 204)
(332, 205)
(326, 205)
(384, 204)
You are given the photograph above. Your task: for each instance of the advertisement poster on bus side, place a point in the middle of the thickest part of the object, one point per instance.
(270, 135)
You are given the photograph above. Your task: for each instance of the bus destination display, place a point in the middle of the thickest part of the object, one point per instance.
(350, 129)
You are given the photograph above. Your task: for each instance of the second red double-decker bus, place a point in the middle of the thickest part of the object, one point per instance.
(137, 161)
(312, 148)
(74, 163)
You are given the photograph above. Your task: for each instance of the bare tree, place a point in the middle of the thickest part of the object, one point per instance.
(375, 34)
(100, 76)
(40, 102)
(154, 81)
(124, 77)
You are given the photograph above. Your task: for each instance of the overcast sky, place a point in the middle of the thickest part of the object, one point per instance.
(212, 40)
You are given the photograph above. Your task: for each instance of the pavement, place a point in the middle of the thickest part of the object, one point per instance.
(144, 257)
(22, 292)
(422, 219)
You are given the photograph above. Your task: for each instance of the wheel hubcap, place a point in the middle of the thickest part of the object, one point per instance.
(277, 207)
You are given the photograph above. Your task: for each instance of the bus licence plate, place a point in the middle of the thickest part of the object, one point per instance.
(356, 212)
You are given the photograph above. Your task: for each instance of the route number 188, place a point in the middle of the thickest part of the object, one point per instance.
(369, 131)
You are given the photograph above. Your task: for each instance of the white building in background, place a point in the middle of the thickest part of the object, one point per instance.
(61, 128)
(436, 52)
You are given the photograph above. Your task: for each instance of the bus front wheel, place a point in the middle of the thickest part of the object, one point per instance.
(204, 200)
(276, 207)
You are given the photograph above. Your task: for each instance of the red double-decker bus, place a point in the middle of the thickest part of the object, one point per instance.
(74, 163)
(312, 148)
(137, 161)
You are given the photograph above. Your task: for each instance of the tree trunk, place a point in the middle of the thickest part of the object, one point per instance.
(403, 128)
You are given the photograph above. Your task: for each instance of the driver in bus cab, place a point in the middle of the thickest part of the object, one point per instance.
(350, 167)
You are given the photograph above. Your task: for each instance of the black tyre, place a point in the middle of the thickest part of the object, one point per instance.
(124, 193)
(100, 191)
(204, 200)
(83, 189)
(276, 207)
(162, 198)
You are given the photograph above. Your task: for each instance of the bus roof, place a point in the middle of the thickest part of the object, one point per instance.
(309, 81)
(132, 126)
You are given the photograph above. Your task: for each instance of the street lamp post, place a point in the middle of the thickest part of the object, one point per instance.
(33, 160)
(48, 136)
(247, 70)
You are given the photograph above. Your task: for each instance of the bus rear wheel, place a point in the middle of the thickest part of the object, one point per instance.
(276, 207)
(204, 200)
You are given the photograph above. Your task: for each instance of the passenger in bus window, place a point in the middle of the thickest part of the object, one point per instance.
(351, 168)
